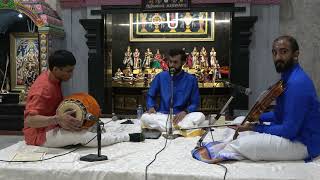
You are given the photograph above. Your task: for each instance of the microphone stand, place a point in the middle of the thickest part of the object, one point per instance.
(169, 129)
(96, 157)
(207, 129)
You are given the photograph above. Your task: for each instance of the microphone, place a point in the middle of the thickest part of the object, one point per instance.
(172, 70)
(241, 89)
(91, 117)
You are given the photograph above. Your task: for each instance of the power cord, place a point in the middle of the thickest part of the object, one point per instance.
(155, 156)
(225, 172)
(221, 165)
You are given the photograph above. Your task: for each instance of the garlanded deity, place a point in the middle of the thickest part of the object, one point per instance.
(157, 60)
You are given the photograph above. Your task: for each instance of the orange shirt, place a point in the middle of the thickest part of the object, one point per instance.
(43, 98)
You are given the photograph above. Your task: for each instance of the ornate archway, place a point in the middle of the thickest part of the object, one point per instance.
(50, 25)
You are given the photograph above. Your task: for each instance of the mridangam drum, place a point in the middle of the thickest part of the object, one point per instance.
(82, 103)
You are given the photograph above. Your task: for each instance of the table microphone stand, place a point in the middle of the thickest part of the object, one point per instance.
(96, 157)
(207, 129)
(169, 134)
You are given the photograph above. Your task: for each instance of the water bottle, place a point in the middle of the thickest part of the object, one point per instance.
(139, 111)
(114, 117)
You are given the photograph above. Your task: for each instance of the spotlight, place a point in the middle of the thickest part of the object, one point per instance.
(20, 15)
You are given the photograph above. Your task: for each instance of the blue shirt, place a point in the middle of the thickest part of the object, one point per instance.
(296, 115)
(185, 92)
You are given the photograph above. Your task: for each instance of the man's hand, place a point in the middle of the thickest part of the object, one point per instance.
(68, 122)
(151, 110)
(246, 127)
(178, 117)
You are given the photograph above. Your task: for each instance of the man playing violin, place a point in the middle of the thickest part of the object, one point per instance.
(292, 130)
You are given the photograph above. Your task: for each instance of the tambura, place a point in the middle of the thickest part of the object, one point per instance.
(82, 103)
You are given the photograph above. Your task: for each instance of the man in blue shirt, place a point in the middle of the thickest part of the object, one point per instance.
(292, 130)
(186, 96)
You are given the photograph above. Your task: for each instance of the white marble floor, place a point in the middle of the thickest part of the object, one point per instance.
(8, 140)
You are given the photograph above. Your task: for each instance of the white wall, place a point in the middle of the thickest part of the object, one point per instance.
(300, 18)
(75, 42)
(262, 72)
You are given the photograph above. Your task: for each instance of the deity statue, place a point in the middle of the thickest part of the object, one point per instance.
(30, 68)
(189, 61)
(140, 76)
(203, 58)
(157, 60)
(195, 57)
(213, 58)
(128, 58)
(136, 59)
(118, 75)
(163, 63)
(147, 58)
(218, 74)
(30, 73)
(206, 75)
(199, 74)
(128, 75)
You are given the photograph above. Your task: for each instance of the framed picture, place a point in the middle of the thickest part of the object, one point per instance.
(175, 26)
(24, 60)
(165, 5)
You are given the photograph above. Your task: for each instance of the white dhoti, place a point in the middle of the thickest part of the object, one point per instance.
(266, 147)
(158, 120)
(115, 133)
(260, 146)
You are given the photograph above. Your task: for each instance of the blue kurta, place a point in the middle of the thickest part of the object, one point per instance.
(296, 115)
(185, 95)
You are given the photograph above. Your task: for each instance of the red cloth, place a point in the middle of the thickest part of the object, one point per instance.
(43, 98)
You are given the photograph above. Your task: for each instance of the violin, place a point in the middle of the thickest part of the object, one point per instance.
(262, 104)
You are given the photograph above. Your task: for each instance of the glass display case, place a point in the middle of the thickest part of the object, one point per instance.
(137, 45)
(132, 46)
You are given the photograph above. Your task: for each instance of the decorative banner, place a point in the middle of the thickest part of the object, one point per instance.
(85, 3)
(165, 5)
(175, 26)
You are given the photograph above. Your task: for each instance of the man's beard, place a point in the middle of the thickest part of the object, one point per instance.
(282, 66)
(176, 70)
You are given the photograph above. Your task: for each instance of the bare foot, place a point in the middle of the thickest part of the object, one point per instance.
(215, 161)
